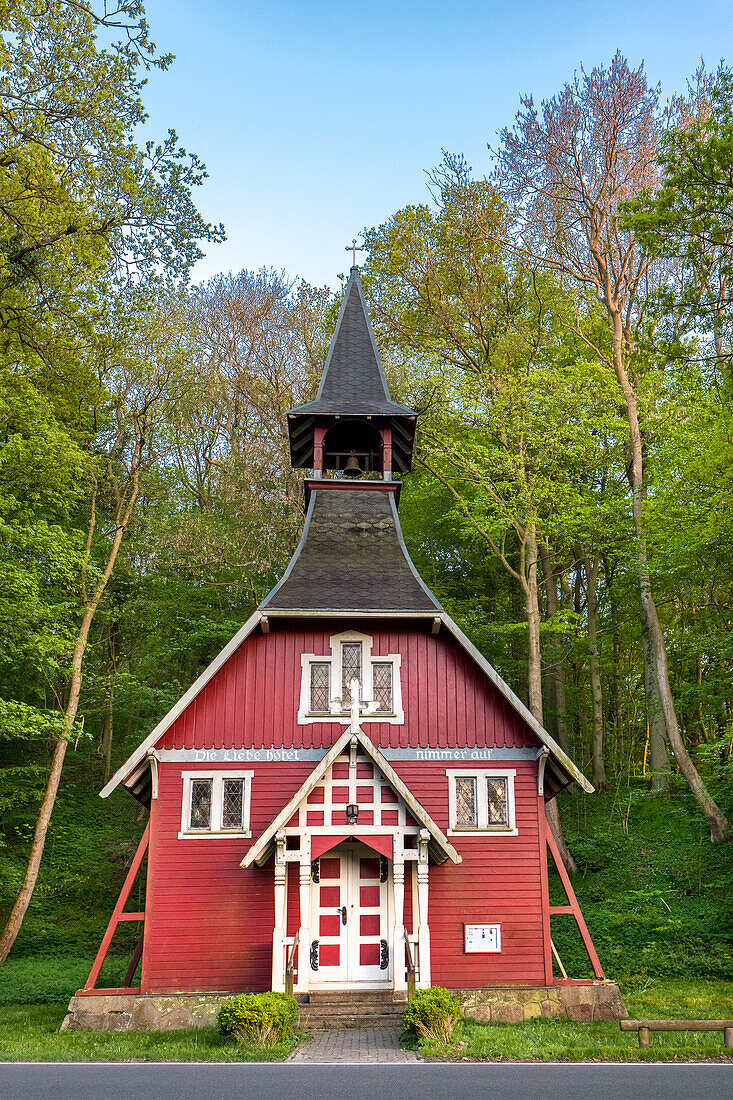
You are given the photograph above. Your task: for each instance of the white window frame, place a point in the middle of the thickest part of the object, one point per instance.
(482, 810)
(307, 717)
(217, 796)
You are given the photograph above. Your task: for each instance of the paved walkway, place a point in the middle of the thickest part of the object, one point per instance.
(358, 1044)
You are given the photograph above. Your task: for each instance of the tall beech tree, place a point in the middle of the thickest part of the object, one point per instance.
(568, 166)
(508, 431)
(86, 215)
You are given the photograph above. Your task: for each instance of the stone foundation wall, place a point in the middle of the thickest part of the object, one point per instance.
(502, 1004)
(511, 1005)
(133, 1012)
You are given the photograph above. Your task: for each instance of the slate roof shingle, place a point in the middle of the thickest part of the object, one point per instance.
(351, 558)
(353, 384)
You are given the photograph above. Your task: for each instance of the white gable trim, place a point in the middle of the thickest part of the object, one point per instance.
(178, 709)
(561, 756)
(138, 756)
(260, 851)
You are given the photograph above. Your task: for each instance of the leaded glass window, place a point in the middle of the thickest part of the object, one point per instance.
(350, 669)
(232, 804)
(466, 802)
(382, 685)
(320, 688)
(201, 803)
(497, 801)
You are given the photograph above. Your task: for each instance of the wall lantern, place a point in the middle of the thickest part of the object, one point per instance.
(352, 813)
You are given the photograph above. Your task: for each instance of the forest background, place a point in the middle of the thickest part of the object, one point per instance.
(563, 326)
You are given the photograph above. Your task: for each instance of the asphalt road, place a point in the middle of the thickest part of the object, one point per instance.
(424, 1081)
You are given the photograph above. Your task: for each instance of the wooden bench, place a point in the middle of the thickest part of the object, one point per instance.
(645, 1026)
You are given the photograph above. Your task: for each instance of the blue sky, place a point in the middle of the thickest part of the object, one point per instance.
(316, 118)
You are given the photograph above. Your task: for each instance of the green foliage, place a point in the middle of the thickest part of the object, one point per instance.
(655, 893)
(432, 1014)
(264, 1018)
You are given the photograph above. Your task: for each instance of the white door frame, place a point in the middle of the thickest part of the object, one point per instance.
(350, 974)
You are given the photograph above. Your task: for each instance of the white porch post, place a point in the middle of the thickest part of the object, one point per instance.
(304, 932)
(398, 937)
(423, 930)
(278, 935)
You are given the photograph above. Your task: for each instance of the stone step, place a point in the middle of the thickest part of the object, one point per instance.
(365, 1008)
(356, 997)
(322, 1021)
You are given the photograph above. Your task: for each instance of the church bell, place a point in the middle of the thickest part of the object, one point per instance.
(352, 468)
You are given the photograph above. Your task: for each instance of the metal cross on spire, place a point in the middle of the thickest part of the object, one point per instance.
(353, 248)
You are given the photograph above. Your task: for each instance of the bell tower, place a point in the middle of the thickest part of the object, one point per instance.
(353, 428)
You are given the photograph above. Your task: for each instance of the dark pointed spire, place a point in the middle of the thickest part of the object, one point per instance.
(353, 384)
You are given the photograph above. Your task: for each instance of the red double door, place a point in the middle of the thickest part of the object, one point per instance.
(350, 918)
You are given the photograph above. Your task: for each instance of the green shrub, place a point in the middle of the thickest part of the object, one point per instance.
(432, 1014)
(263, 1018)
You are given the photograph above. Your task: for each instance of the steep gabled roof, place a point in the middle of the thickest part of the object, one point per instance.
(353, 384)
(439, 846)
(352, 556)
(353, 381)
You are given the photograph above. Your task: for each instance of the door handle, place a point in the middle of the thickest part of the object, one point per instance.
(343, 914)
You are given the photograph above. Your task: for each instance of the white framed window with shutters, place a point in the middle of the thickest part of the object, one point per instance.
(481, 801)
(325, 690)
(216, 804)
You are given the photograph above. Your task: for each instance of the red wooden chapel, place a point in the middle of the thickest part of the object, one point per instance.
(349, 797)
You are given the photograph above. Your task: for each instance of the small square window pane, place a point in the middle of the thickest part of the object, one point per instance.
(350, 669)
(232, 804)
(320, 687)
(200, 804)
(382, 686)
(497, 799)
(466, 801)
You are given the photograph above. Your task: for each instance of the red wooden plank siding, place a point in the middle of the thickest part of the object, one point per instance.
(209, 922)
(253, 701)
(499, 881)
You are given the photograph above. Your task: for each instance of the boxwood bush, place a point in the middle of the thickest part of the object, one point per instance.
(432, 1014)
(263, 1018)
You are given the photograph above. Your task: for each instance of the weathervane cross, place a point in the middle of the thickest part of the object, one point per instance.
(353, 248)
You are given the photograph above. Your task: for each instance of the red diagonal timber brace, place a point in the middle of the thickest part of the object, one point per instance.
(118, 915)
(573, 907)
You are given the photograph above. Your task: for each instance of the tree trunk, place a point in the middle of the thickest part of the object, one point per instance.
(107, 736)
(535, 681)
(615, 677)
(591, 578)
(555, 667)
(12, 928)
(717, 821)
(660, 766)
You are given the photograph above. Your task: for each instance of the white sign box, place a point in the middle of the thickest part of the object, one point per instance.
(482, 937)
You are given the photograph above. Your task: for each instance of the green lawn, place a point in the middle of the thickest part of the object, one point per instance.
(29, 1033)
(565, 1040)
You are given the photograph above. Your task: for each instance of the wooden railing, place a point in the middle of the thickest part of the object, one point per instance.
(290, 966)
(645, 1026)
(411, 968)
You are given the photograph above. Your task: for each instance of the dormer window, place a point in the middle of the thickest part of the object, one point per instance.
(351, 661)
(326, 682)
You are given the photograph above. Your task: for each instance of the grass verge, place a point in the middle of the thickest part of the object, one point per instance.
(564, 1040)
(29, 1033)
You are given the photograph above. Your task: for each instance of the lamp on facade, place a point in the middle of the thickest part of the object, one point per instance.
(352, 813)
